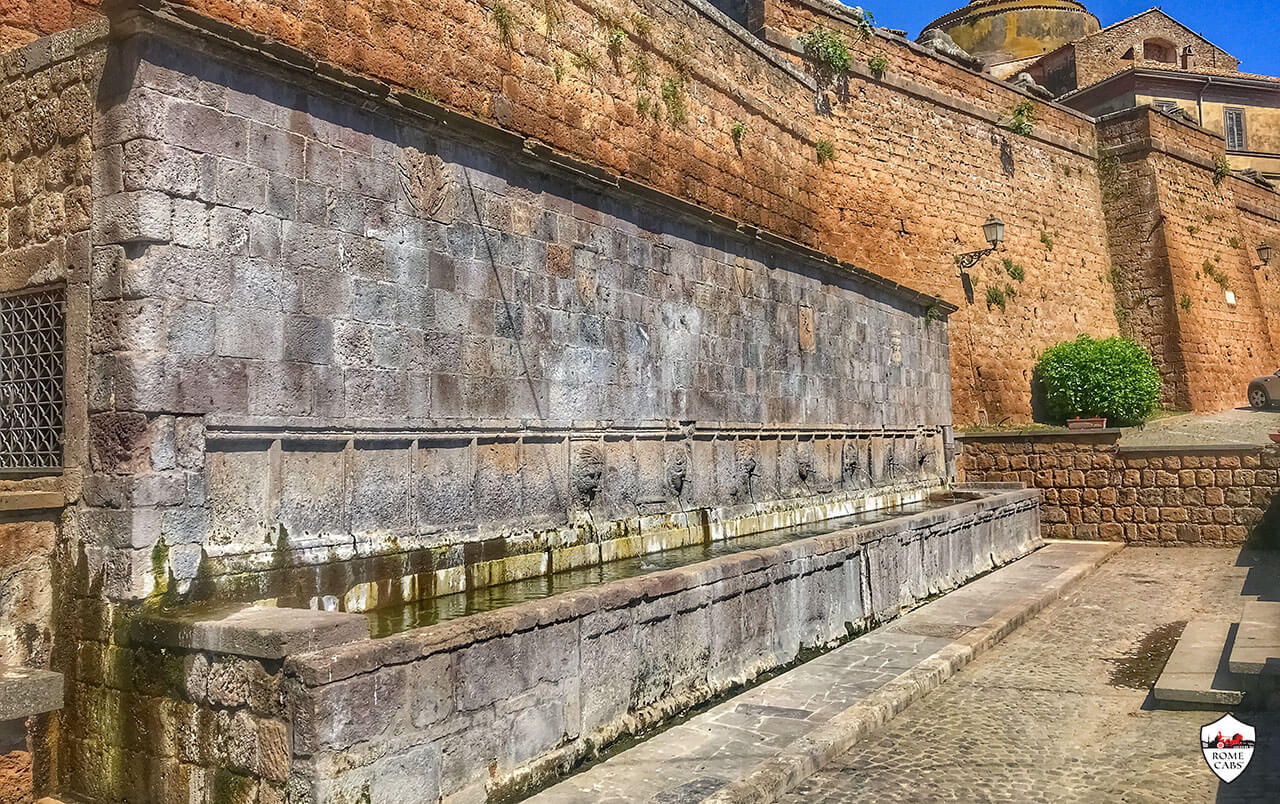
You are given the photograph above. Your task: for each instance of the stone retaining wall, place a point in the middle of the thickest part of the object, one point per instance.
(1096, 489)
(494, 703)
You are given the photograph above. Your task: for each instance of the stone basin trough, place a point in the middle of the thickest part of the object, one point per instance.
(497, 703)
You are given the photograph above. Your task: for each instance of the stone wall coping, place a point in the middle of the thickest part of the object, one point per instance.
(845, 13)
(261, 632)
(49, 50)
(160, 16)
(31, 500)
(26, 691)
(1183, 449)
(918, 90)
(1041, 435)
(695, 580)
(1152, 142)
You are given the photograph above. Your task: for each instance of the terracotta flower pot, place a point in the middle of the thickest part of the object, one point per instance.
(1096, 423)
(1274, 437)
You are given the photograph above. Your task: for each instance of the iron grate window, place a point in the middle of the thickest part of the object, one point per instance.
(32, 361)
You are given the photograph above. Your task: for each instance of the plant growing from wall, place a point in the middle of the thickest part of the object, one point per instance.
(425, 94)
(878, 64)
(585, 61)
(557, 69)
(1014, 270)
(865, 24)
(1193, 230)
(932, 313)
(505, 21)
(1185, 303)
(552, 14)
(1217, 275)
(1114, 378)
(1221, 169)
(1022, 118)
(827, 55)
(1046, 239)
(738, 131)
(641, 71)
(1234, 242)
(643, 104)
(614, 46)
(640, 24)
(825, 150)
(1109, 176)
(996, 297)
(673, 97)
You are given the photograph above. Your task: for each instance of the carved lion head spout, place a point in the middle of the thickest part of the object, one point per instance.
(588, 472)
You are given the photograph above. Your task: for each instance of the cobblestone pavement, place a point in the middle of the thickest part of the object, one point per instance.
(1238, 426)
(762, 726)
(1059, 711)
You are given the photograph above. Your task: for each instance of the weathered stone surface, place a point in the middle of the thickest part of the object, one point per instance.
(26, 691)
(258, 631)
(506, 692)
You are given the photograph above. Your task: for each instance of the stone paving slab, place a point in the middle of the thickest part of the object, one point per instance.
(1197, 669)
(1257, 647)
(757, 745)
(1060, 711)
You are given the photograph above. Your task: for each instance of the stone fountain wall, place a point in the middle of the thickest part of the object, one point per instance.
(349, 353)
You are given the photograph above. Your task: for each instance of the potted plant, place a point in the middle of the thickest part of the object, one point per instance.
(1092, 423)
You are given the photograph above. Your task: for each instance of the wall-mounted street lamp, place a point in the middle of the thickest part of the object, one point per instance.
(993, 230)
(1264, 254)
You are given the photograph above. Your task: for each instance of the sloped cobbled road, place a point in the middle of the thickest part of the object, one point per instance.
(1060, 710)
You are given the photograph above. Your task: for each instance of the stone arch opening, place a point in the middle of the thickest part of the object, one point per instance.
(1156, 49)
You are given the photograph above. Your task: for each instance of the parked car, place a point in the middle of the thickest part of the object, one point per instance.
(1263, 391)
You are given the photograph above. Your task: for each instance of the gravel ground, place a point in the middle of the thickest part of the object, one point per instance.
(1239, 426)
(1060, 711)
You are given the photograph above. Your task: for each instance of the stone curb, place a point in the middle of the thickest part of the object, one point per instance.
(773, 778)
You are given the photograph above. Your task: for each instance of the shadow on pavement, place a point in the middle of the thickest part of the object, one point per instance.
(1261, 780)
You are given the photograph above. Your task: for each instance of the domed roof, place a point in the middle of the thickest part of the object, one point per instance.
(1002, 31)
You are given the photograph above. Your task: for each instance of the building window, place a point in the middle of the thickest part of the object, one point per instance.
(1234, 125)
(32, 361)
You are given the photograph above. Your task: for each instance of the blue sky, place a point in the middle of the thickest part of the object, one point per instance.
(1247, 29)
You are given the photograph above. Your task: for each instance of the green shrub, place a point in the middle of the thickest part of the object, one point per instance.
(878, 64)
(1022, 118)
(827, 54)
(1114, 378)
(1221, 169)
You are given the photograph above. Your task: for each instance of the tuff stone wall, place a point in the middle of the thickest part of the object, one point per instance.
(22, 21)
(1181, 238)
(922, 159)
(46, 161)
(1096, 489)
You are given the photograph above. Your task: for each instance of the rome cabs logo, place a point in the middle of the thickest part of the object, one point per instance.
(1227, 745)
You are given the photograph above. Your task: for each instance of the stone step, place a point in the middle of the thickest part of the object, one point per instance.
(1197, 671)
(26, 691)
(1256, 651)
